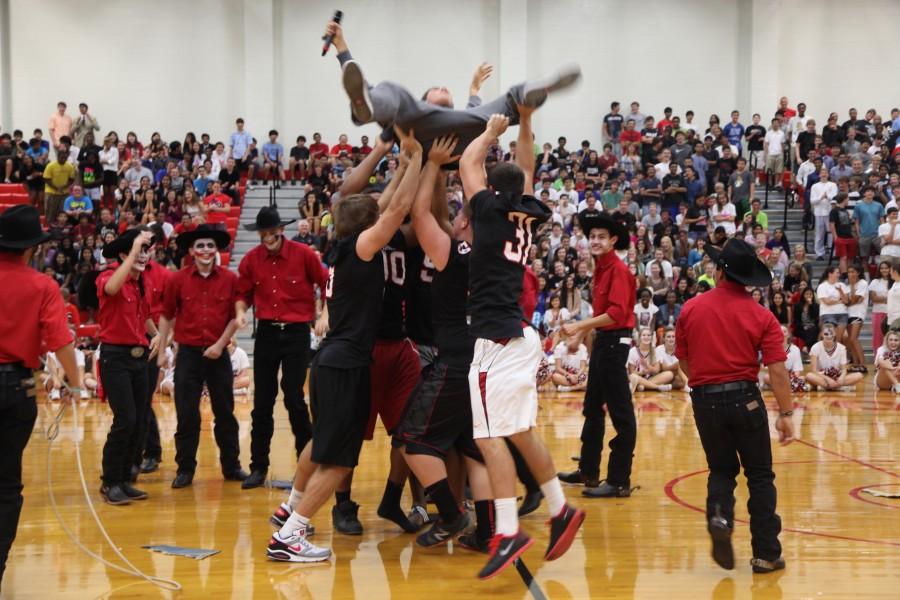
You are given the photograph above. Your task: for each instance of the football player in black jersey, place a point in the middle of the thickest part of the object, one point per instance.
(507, 350)
(339, 381)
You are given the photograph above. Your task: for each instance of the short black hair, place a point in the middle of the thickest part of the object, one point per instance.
(301, 138)
(506, 177)
(273, 132)
(61, 103)
(614, 105)
(239, 120)
(84, 104)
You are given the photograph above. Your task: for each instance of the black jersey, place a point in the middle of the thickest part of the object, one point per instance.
(418, 297)
(354, 294)
(393, 256)
(450, 292)
(503, 226)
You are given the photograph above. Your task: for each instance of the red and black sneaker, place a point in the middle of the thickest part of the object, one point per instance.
(282, 514)
(504, 550)
(563, 528)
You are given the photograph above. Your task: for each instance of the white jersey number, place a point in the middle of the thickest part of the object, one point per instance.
(394, 266)
(329, 285)
(517, 251)
(427, 273)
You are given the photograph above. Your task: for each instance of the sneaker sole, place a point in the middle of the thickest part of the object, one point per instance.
(281, 556)
(119, 503)
(565, 77)
(139, 498)
(355, 86)
(568, 536)
(722, 549)
(512, 558)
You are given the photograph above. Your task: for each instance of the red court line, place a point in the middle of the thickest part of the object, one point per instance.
(850, 458)
(670, 492)
(855, 493)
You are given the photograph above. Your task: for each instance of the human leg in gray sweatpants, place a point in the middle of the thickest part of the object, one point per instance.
(821, 229)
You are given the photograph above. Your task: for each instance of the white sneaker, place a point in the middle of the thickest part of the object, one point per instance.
(666, 387)
(295, 548)
(54, 395)
(564, 388)
(896, 388)
(84, 395)
(687, 389)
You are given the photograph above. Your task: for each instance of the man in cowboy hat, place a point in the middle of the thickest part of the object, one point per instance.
(199, 302)
(125, 351)
(614, 296)
(278, 278)
(719, 338)
(34, 319)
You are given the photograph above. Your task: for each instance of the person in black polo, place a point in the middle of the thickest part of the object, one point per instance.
(719, 338)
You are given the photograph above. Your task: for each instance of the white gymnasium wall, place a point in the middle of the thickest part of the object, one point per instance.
(174, 65)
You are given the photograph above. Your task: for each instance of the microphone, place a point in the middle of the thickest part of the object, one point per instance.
(338, 15)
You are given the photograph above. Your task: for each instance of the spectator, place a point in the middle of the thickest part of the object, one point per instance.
(239, 145)
(669, 310)
(723, 214)
(136, 173)
(77, 204)
(821, 196)
(774, 152)
(58, 178)
(828, 363)
(867, 216)
(273, 156)
(887, 363)
(673, 188)
(299, 160)
(570, 358)
(612, 127)
(84, 124)
(842, 232)
(645, 311)
(857, 305)
(318, 149)
(240, 368)
(741, 189)
(60, 124)
(38, 152)
(216, 207)
(305, 236)
(644, 369)
(229, 180)
(878, 293)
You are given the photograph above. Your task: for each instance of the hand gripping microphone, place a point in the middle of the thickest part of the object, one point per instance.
(338, 15)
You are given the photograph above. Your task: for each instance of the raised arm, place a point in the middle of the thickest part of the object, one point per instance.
(373, 239)
(358, 178)
(433, 238)
(471, 165)
(115, 283)
(525, 156)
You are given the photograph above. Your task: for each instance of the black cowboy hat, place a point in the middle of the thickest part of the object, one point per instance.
(590, 220)
(20, 228)
(267, 218)
(122, 244)
(739, 261)
(187, 239)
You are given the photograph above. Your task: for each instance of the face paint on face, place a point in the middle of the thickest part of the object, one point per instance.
(143, 257)
(204, 251)
(271, 238)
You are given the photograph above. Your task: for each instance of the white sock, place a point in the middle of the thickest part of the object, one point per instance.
(554, 495)
(295, 497)
(507, 517)
(295, 521)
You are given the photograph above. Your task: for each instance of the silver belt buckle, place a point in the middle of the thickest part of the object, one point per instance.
(279, 325)
(625, 340)
(137, 351)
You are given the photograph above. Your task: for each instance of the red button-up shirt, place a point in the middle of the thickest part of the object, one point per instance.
(201, 306)
(33, 313)
(280, 284)
(721, 333)
(155, 277)
(615, 289)
(123, 317)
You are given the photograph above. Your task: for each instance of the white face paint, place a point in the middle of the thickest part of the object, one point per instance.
(143, 257)
(271, 238)
(204, 251)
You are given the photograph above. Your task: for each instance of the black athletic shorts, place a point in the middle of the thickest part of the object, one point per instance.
(438, 414)
(339, 400)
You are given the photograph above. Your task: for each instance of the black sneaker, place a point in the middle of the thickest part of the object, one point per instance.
(182, 480)
(530, 503)
(470, 541)
(149, 465)
(563, 528)
(115, 495)
(606, 490)
(282, 514)
(767, 566)
(441, 532)
(358, 92)
(504, 550)
(722, 550)
(344, 518)
(577, 477)
(133, 492)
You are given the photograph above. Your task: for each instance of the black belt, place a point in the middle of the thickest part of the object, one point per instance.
(21, 375)
(12, 368)
(282, 325)
(613, 333)
(721, 388)
(134, 351)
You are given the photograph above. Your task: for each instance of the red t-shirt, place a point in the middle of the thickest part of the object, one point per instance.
(338, 148)
(630, 136)
(317, 150)
(218, 200)
(72, 315)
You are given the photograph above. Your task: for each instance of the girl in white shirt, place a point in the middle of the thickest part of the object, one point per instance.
(887, 363)
(555, 317)
(570, 365)
(828, 363)
(858, 296)
(240, 367)
(793, 364)
(644, 369)
(833, 301)
(724, 213)
(878, 294)
(665, 354)
(893, 299)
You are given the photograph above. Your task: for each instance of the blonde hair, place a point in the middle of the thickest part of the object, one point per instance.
(652, 355)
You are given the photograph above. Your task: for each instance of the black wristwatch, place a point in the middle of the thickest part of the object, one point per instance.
(785, 413)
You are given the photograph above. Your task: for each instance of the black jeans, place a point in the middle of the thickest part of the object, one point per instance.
(152, 446)
(608, 385)
(124, 378)
(734, 430)
(191, 372)
(18, 412)
(289, 349)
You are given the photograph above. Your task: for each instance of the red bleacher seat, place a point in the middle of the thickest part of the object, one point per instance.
(13, 188)
(235, 211)
(231, 223)
(88, 331)
(19, 198)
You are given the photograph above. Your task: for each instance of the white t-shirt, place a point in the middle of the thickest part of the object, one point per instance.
(884, 231)
(893, 304)
(663, 357)
(666, 268)
(878, 286)
(567, 360)
(775, 140)
(824, 361)
(169, 371)
(644, 316)
(52, 360)
(826, 290)
(639, 362)
(729, 210)
(858, 310)
(239, 360)
(794, 362)
(562, 317)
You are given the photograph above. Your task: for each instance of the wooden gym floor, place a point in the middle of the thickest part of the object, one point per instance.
(838, 541)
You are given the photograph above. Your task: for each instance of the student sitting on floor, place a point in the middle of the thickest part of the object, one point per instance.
(644, 369)
(793, 364)
(570, 365)
(887, 363)
(665, 354)
(828, 364)
(240, 366)
(167, 375)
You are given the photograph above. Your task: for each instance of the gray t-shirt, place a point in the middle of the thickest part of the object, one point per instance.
(740, 182)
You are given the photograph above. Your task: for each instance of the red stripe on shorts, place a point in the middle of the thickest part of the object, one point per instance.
(482, 386)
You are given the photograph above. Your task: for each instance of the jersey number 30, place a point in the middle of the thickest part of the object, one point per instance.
(517, 250)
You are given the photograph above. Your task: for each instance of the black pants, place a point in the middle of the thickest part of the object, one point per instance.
(124, 378)
(289, 349)
(152, 446)
(608, 385)
(191, 372)
(18, 412)
(734, 430)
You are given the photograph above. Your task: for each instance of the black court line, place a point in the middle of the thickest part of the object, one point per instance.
(528, 580)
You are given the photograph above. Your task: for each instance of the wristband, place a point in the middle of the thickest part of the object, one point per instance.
(785, 413)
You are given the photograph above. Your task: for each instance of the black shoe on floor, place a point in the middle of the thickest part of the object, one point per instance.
(134, 493)
(504, 550)
(237, 475)
(767, 566)
(722, 550)
(115, 495)
(441, 532)
(149, 465)
(344, 517)
(182, 480)
(606, 490)
(530, 503)
(470, 541)
(254, 480)
(563, 528)
(135, 471)
(577, 477)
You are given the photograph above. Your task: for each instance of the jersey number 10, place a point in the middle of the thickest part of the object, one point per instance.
(517, 250)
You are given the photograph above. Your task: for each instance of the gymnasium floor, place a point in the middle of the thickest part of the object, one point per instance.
(838, 541)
